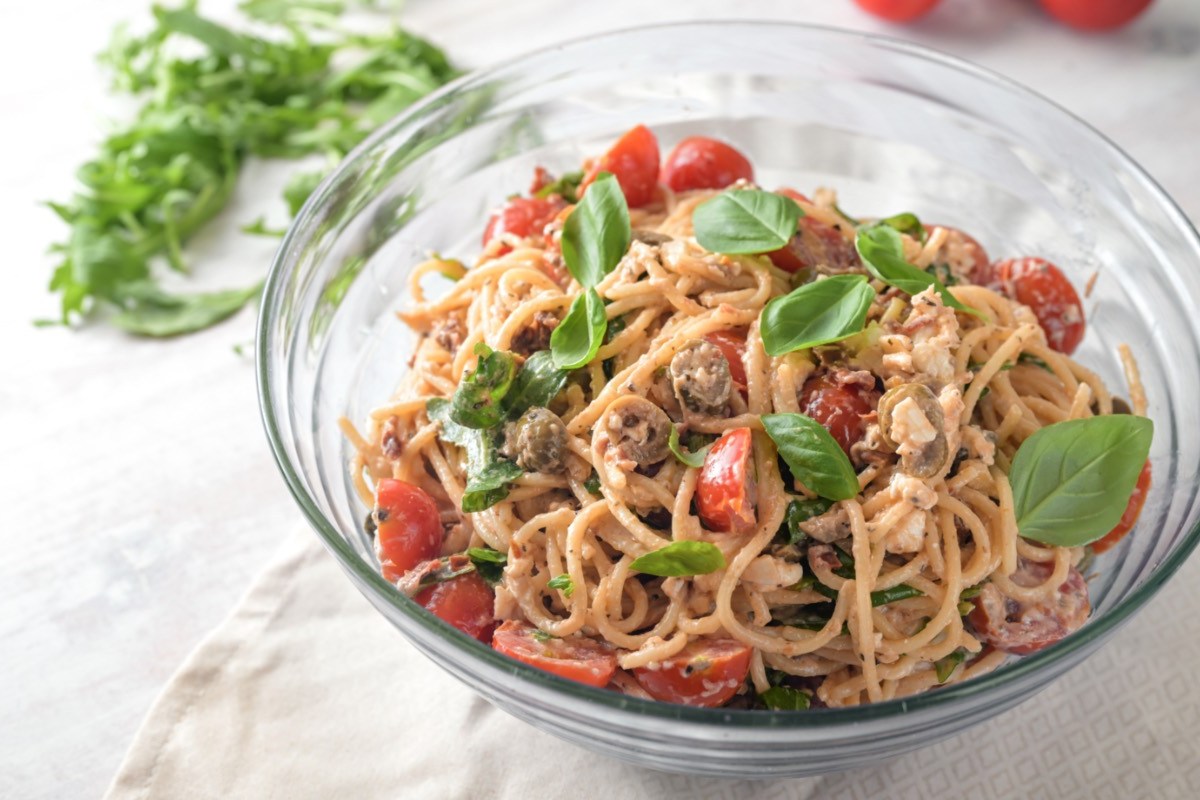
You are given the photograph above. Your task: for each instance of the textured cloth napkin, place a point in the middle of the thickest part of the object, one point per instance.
(305, 691)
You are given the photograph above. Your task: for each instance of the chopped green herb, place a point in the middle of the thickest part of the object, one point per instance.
(801, 511)
(541, 636)
(566, 187)
(1032, 360)
(592, 484)
(945, 668)
(488, 563)
(563, 583)
(786, 698)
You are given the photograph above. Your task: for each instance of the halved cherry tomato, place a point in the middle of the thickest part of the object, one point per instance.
(898, 10)
(1133, 510)
(1095, 15)
(733, 346)
(633, 161)
(1044, 288)
(1022, 628)
(466, 602)
(698, 162)
(541, 179)
(838, 404)
(408, 527)
(816, 242)
(708, 673)
(727, 492)
(972, 250)
(573, 658)
(799, 197)
(522, 216)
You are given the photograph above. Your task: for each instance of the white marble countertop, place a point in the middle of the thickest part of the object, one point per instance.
(140, 495)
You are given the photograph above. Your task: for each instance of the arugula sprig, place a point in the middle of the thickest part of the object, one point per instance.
(158, 180)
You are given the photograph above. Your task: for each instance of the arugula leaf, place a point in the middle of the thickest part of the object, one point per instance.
(488, 563)
(694, 459)
(681, 559)
(149, 311)
(597, 234)
(742, 221)
(488, 475)
(576, 340)
(564, 584)
(537, 383)
(945, 668)
(813, 455)
(786, 698)
(1072, 480)
(566, 187)
(802, 511)
(477, 402)
(821, 312)
(882, 253)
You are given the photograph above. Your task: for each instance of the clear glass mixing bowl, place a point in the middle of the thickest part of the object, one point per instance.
(892, 127)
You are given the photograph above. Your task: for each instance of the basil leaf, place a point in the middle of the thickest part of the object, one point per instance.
(906, 222)
(596, 235)
(566, 187)
(813, 455)
(882, 253)
(445, 572)
(693, 459)
(564, 584)
(802, 511)
(577, 338)
(476, 401)
(785, 698)
(538, 382)
(488, 475)
(817, 313)
(945, 668)
(1072, 480)
(681, 559)
(745, 221)
(488, 563)
(880, 597)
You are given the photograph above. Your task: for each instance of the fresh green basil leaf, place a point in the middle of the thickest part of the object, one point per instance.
(694, 459)
(681, 559)
(445, 572)
(537, 383)
(488, 475)
(786, 698)
(488, 563)
(592, 484)
(489, 485)
(742, 221)
(564, 584)
(802, 511)
(882, 253)
(1072, 480)
(945, 668)
(813, 455)
(576, 340)
(597, 234)
(821, 312)
(943, 273)
(566, 187)
(477, 400)
(906, 222)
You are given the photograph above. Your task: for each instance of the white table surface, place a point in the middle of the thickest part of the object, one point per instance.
(140, 496)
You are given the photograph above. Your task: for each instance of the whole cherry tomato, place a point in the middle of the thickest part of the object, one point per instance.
(898, 10)
(573, 658)
(466, 602)
(839, 405)
(708, 673)
(1044, 288)
(698, 162)
(1095, 15)
(726, 493)
(1133, 510)
(522, 217)
(633, 161)
(408, 527)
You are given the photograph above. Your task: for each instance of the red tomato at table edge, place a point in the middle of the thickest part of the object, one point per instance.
(408, 527)
(1095, 15)
(699, 162)
(706, 673)
(726, 492)
(633, 161)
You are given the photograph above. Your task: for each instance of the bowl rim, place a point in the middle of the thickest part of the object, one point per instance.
(369, 580)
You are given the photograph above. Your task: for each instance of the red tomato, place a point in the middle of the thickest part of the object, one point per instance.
(794, 195)
(541, 179)
(702, 163)
(1132, 511)
(1022, 628)
(633, 161)
(408, 527)
(727, 492)
(466, 602)
(816, 243)
(708, 673)
(573, 658)
(522, 216)
(973, 250)
(733, 347)
(1095, 15)
(898, 10)
(1044, 288)
(839, 405)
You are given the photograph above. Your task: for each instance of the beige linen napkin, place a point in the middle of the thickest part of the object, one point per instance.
(305, 691)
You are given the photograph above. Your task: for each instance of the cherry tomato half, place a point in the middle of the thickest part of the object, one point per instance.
(1095, 15)
(708, 673)
(523, 216)
(1022, 628)
(466, 602)
(839, 405)
(816, 242)
(733, 346)
(698, 162)
(1044, 288)
(573, 658)
(1133, 510)
(968, 249)
(727, 492)
(408, 527)
(633, 161)
(898, 10)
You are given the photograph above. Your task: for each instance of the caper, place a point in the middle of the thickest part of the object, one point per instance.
(926, 459)
(536, 441)
(701, 378)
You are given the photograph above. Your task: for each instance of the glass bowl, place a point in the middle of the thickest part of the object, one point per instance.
(892, 127)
